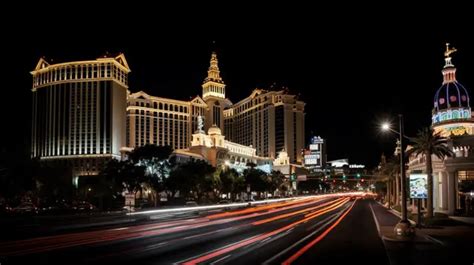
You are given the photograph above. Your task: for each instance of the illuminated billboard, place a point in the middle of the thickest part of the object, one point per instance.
(418, 186)
(312, 160)
(314, 156)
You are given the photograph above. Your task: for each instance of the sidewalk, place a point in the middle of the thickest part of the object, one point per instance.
(466, 220)
(437, 245)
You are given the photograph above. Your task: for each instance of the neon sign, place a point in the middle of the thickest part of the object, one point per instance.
(451, 114)
(459, 130)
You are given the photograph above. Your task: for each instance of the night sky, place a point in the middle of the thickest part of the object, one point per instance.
(352, 74)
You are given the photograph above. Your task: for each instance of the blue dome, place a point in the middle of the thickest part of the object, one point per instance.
(451, 95)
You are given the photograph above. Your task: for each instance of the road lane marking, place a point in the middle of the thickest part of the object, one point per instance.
(375, 219)
(434, 240)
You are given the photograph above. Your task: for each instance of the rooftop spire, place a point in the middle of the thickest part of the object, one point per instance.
(213, 84)
(447, 56)
(449, 71)
(213, 74)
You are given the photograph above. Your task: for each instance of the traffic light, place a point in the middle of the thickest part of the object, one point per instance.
(293, 177)
(358, 175)
(344, 177)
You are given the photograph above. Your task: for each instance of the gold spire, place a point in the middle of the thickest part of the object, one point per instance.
(213, 84)
(448, 51)
(213, 74)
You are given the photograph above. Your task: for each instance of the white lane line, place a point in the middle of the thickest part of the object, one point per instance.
(274, 258)
(434, 240)
(390, 260)
(375, 219)
(221, 259)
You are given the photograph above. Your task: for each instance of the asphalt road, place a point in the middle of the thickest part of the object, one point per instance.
(324, 230)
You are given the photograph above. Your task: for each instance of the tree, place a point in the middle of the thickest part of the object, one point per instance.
(428, 143)
(276, 181)
(229, 181)
(157, 166)
(391, 171)
(125, 175)
(256, 178)
(195, 177)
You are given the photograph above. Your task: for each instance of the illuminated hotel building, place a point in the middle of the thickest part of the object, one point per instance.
(451, 117)
(79, 112)
(84, 115)
(162, 121)
(269, 121)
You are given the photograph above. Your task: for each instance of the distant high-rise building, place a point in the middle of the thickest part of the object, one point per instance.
(270, 121)
(79, 112)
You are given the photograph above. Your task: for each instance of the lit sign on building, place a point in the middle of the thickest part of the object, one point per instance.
(356, 166)
(458, 130)
(317, 140)
(314, 147)
(418, 186)
(452, 114)
(312, 160)
(314, 155)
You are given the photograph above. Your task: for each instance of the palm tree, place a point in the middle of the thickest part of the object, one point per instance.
(428, 143)
(389, 172)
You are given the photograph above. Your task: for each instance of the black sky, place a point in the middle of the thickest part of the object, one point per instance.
(352, 71)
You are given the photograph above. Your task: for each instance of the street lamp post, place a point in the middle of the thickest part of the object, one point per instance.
(402, 172)
(403, 228)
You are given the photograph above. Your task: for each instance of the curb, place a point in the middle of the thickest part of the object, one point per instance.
(391, 239)
(399, 214)
(396, 213)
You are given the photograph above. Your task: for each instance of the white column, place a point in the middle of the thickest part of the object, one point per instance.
(436, 193)
(452, 192)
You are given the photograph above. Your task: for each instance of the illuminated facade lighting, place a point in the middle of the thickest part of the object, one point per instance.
(79, 111)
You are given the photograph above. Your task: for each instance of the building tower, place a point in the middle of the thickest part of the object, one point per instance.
(79, 112)
(213, 93)
(451, 111)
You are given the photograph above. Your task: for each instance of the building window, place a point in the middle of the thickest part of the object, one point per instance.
(466, 175)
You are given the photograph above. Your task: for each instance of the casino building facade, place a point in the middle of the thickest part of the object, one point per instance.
(452, 117)
(84, 115)
(79, 112)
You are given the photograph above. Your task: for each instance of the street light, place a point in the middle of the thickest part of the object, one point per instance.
(403, 228)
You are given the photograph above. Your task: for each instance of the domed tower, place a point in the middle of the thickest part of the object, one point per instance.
(451, 110)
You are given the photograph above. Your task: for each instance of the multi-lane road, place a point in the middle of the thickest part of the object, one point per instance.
(314, 230)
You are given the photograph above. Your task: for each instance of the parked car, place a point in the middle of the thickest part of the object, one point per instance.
(26, 208)
(224, 202)
(57, 207)
(82, 206)
(191, 203)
